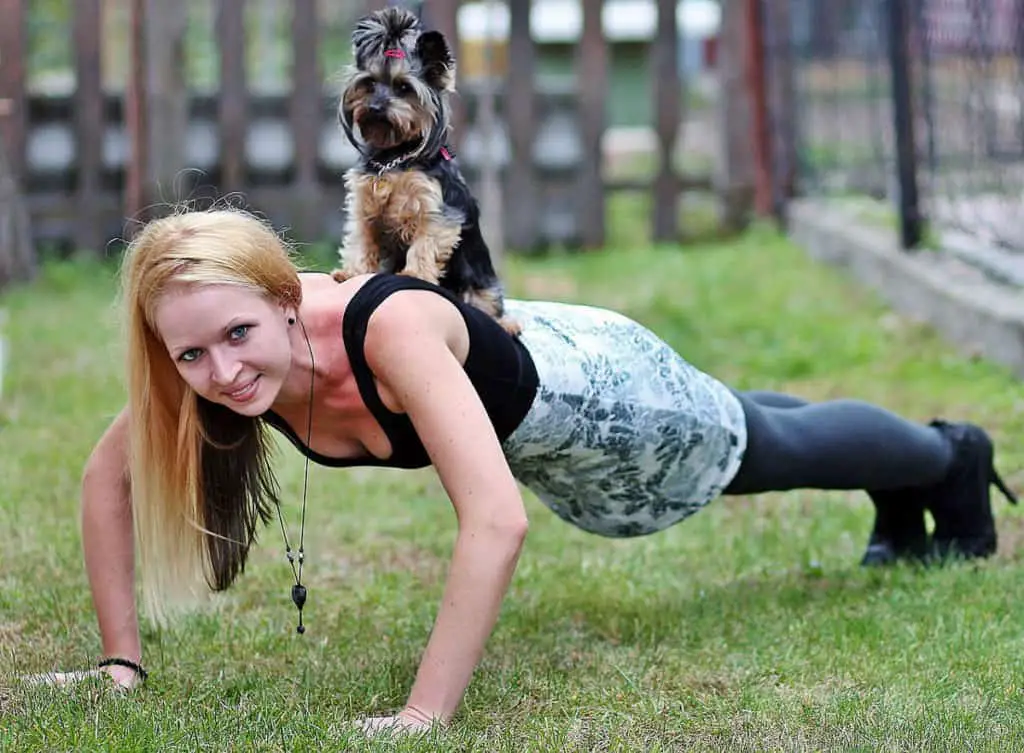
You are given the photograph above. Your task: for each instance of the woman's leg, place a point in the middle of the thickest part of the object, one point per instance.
(906, 467)
(774, 399)
(839, 444)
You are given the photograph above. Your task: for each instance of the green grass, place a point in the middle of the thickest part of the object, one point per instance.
(747, 627)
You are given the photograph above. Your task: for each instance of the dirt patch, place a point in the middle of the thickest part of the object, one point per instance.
(9, 705)
(382, 559)
(11, 633)
(715, 686)
(1011, 538)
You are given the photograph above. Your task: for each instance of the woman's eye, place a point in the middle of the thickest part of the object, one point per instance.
(239, 332)
(189, 355)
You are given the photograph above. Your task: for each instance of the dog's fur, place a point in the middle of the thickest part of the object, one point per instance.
(409, 209)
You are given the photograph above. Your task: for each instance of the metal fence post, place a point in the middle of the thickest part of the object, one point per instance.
(903, 110)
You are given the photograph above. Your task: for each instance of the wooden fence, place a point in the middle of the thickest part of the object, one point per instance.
(91, 159)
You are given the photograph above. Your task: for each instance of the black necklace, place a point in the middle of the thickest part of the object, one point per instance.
(299, 590)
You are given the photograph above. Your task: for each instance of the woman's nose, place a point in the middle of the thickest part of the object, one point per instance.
(224, 369)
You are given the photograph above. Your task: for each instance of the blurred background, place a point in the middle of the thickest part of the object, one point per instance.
(579, 123)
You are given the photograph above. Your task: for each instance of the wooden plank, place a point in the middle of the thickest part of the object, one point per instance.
(54, 216)
(520, 112)
(135, 120)
(305, 115)
(756, 84)
(664, 67)
(782, 104)
(592, 78)
(17, 252)
(166, 101)
(232, 101)
(736, 164)
(13, 71)
(88, 122)
(443, 16)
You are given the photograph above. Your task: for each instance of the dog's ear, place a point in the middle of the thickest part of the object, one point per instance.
(437, 60)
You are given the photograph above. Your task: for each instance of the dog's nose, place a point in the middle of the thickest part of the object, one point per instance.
(378, 106)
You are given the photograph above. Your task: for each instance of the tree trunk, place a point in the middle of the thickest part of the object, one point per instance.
(17, 256)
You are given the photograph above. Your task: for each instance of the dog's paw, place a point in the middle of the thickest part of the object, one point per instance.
(340, 275)
(510, 325)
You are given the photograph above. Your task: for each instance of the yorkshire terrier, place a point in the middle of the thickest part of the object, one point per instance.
(408, 208)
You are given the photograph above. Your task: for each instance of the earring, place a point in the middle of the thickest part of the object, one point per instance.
(291, 320)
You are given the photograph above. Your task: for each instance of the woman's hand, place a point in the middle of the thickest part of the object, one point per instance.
(409, 720)
(123, 678)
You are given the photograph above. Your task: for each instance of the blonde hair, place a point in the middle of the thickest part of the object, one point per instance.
(200, 474)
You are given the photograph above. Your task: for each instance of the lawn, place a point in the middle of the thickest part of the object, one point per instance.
(747, 627)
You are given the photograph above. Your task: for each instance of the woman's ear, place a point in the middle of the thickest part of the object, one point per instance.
(290, 314)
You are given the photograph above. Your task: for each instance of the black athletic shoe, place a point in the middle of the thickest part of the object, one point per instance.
(960, 503)
(899, 532)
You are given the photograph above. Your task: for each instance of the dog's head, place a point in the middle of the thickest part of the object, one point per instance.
(395, 94)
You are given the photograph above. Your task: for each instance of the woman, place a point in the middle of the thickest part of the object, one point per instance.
(613, 431)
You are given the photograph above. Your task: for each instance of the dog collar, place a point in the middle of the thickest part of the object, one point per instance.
(380, 168)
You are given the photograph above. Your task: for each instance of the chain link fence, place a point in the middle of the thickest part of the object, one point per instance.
(966, 107)
(832, 56)
(971, 70)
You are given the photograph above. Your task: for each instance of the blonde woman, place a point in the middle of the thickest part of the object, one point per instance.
(615, 433)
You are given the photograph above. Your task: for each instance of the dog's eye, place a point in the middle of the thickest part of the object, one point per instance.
(401, 88)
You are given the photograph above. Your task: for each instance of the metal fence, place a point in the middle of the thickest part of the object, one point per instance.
(972, 95)
(916, 102)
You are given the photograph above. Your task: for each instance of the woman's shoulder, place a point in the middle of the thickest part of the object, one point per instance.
(320, 290)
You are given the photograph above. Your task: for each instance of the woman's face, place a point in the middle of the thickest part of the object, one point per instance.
(231, 345)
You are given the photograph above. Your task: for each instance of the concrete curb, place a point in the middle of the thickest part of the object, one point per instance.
(977, 315)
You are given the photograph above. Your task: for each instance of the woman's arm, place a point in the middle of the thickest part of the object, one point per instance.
(407, 348)
(108, 545)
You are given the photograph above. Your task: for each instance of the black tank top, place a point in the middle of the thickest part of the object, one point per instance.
(498, 365)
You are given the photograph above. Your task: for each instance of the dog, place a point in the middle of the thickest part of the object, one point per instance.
(408, 208)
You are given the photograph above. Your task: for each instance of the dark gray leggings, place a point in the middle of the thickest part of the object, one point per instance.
(837, 444)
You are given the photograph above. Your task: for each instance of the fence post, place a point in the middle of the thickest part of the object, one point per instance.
(13, 57)
(232, 102)
(756, 79)
(159, 103)
(520, 113)
(88, 103)
(443, 15)
(306, 116)
(592, 75)
(17, 255)
(781, 102)
(735, 183)
(903, 114)
(668, 104)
